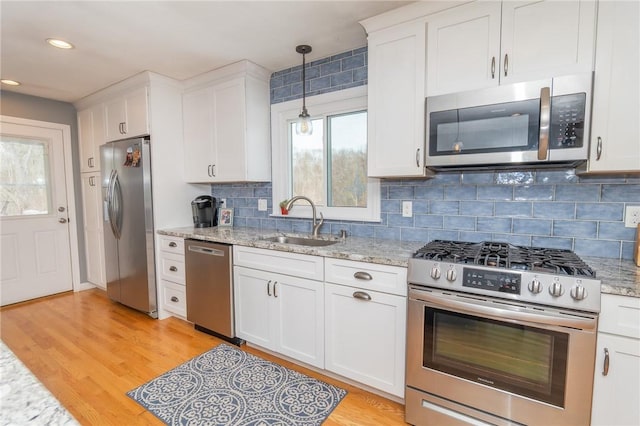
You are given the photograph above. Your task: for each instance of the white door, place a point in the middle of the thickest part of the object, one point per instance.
(35, 246)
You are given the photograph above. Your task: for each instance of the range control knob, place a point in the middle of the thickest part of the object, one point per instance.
(435, 273)
(556, 289)
(578, 292)
(451, 275)
(535, 286)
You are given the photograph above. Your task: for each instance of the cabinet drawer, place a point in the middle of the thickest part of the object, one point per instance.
(174, 298)
(171, 244)
(172, 268)
(370, 276)
(299, 265)
(620, 315)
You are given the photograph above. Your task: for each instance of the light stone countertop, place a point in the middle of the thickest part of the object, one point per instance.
(23, 398)
(620, 277)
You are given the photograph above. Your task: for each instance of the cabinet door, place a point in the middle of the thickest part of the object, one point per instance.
(253, 307)
(616, 395)
(615, 128)
(365, 339)
(92, 211)
(546, 38)
(229, 133)
(137, 113)
(91, 136)
(300, 323)
(199, 149)
(88, 156)
(396, 101)
(115, 117)
(463, 48)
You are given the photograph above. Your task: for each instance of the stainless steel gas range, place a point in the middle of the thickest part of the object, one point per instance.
(499, 334)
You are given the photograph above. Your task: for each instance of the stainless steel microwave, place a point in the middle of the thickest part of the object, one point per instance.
(538, 123)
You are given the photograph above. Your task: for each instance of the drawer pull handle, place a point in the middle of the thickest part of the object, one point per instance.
(275, 292)
(269, 288)
(173, 269)
(605, 369)
(365, 276)
(173, 244)
(361, 295)
(174, 299)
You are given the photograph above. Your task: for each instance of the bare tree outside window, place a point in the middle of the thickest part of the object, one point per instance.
(24, 177)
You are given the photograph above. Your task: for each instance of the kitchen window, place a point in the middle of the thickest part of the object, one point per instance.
(330, 165)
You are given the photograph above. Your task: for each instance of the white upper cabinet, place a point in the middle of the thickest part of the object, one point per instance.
(615, 128)
(484, 44)
(396, 101)
(128, 115)
(91, 136)
(226, 126)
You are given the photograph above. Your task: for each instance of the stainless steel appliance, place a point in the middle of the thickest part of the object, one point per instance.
(210, 288)
(538, 123)
(204, 211)
(128, 231)
(500, 334)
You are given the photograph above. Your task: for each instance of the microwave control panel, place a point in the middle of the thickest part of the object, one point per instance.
(567, 121)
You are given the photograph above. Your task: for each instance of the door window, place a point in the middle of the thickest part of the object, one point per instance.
(25, 187)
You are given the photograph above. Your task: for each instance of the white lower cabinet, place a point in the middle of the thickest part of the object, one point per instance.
(279, 312)
(172, 293)
(365, 328)
(93, 237)
(616, 386)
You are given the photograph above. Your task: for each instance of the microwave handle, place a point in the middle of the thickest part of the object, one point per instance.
(545, 119)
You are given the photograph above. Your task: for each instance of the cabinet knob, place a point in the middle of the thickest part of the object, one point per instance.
(173, 244)
(173, 269)
(174, 299)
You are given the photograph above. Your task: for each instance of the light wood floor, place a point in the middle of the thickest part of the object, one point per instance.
(89, 351)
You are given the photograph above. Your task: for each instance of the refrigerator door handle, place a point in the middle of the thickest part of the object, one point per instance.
(110, 212)
(117, 198)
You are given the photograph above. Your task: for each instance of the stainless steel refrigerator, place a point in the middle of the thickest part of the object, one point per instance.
(128, 227)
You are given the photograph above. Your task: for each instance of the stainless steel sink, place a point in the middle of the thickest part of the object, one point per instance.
(300, 241)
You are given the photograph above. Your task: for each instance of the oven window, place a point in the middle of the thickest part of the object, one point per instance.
(524, 360)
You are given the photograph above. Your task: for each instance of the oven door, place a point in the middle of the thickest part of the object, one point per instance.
(493, 360)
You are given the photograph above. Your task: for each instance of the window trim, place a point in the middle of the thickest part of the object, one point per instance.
(342, 101)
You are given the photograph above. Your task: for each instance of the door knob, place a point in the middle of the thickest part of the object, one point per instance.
(62, 220)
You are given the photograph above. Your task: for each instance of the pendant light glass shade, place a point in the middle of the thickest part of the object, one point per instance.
(303, 124)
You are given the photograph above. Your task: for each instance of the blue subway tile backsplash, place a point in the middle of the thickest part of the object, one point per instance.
(544, 208)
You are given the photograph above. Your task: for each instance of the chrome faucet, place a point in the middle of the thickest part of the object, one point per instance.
(316, 226)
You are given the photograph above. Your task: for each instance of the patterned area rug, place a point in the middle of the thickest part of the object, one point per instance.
(226, 386)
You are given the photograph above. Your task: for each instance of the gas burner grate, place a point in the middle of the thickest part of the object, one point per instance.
(506, 256)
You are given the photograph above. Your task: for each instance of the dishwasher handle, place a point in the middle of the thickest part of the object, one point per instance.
(206, 250)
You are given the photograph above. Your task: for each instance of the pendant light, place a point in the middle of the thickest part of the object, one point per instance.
(303, 124)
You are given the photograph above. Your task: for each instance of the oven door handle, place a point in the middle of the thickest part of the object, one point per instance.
(506, 312)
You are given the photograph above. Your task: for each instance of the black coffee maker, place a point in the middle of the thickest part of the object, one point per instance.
(205, 212)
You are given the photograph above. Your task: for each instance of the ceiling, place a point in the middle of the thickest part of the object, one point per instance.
(180, 39)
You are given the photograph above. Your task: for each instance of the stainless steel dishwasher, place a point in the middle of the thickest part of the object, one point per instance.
(210, 289)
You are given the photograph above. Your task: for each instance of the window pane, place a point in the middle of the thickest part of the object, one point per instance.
(307, 160)
(24, 177)
(348, 160)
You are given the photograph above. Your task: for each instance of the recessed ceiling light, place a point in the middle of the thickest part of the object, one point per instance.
(60, 44)
(10, 82)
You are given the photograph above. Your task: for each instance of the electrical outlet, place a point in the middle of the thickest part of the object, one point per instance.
(407, 209)
(223, 203)
(262, 205)
(632, 216)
